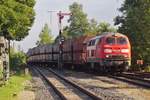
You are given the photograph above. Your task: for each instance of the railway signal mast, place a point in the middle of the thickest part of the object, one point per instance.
(61, 39)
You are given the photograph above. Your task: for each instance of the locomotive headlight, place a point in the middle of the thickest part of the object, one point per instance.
(124, 50)
(107, 50)
(107, 56)
(125, 56)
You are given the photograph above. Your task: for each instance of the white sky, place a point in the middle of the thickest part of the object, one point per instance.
(101, 10)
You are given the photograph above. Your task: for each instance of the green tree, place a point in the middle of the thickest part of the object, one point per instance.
(16, 18)
(96, 28)
(135, 23)
(106, 27)
(93, 27)
(45, 36)
(65, 31)
(78, 21)
(80, 25)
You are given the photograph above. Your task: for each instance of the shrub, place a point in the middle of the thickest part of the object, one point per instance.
(17, 59)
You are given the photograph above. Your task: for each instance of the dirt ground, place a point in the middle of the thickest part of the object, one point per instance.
(27, 93)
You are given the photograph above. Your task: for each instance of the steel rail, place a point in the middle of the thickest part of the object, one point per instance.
(51, 84)
(134, 77)
(83, 90)
(130, 80)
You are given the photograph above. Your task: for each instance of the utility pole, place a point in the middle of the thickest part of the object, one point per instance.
(61, 40)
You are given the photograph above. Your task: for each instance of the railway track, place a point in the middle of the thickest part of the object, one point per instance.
(136, 77)
(42, 86)
(103, 93)
(129, 78)
(139, 76)
(65, 89)
(91, 92)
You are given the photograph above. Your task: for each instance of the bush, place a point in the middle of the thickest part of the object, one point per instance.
(17, 59)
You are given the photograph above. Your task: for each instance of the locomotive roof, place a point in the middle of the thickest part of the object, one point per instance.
(105, 34)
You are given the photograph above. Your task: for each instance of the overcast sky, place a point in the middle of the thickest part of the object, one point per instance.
(101, 10)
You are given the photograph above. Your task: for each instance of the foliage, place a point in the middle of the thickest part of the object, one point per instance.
(93, 27)
(80, 25)
(135, 23)
(96, 28)
(106, 27)
(17, 59)
(16, 18)
(65, 31)
(45, 36)
(78, 21)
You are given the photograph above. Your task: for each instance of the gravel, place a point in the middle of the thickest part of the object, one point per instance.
(41, 88)
(70, 92)
(108, 88)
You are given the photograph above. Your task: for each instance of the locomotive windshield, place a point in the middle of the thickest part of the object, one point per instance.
(116, 40)
(110, 40)
(121, 40)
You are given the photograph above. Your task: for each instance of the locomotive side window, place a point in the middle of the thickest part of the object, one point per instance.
(93, 42)
(121, 40)
(89, 44)
(100, 40)
(110, 40)
(96, 41)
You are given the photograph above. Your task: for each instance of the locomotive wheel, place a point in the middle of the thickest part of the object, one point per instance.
(101, 69)
(104, 69)
(72, 67)
(124, 69)
(113, 69)
(92, 65)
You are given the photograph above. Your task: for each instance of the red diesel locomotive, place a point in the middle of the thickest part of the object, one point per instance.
(109, 51)
(106, 52)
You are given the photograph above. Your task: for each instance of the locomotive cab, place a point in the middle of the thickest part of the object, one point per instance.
(117, 51)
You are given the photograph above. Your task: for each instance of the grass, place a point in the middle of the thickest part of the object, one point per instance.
(13, 87)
